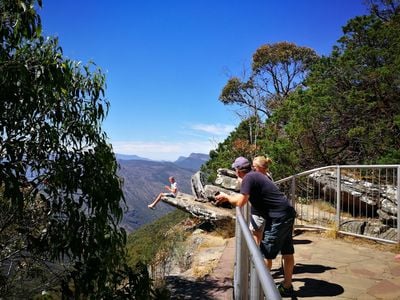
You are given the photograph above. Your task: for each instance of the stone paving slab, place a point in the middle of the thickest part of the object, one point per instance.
(331, 269)
(325, 269)
(342, 269)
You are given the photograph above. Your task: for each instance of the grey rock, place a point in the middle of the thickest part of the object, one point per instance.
(362, 195)
(205, 210)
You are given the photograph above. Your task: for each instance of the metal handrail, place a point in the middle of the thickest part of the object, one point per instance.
(338, 168)
(265, 278)
(247, 279)
(335, 166)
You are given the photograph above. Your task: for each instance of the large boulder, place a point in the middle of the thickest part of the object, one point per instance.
(365, 198)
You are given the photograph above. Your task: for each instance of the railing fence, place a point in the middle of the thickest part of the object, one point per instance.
(358, 200)
(250, 269)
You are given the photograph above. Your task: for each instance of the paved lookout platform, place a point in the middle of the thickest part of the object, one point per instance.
(327, 268)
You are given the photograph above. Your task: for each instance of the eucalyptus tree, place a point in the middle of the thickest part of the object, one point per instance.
(277, 71)
(383, 9)
(350, 112)
(60, 196)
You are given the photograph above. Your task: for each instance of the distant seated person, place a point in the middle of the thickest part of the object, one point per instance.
(173, 190)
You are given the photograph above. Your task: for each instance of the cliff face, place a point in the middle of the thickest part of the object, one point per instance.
(203, 267)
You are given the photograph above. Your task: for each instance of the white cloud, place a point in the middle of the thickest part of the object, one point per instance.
(196, 138)
(217, 129)
(169, 151)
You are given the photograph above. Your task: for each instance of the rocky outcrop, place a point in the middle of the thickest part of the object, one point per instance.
(200, 209)
(365, 198)
(202, 203)
(373, 229)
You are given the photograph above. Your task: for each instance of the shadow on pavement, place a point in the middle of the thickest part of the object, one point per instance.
(301, 242)
(318, 288)
(312, 287)
(304, 268)
(208, 288)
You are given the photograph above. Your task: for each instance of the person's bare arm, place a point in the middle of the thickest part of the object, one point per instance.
(235, 199)
(172, 190)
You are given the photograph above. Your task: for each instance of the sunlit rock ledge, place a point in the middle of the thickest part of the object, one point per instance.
(203, 210)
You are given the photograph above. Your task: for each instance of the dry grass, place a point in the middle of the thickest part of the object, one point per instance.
(332, 233)
(212, 241)
(225, 228)
(324, 206)
(207, 253)
(394, 248)
(201, 271)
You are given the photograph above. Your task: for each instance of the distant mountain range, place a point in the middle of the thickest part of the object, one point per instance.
(145, 179)
(129, 157)
(193, 162)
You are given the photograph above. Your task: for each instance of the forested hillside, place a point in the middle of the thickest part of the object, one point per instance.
(306, 111)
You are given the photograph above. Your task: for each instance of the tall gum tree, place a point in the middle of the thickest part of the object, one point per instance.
(60, 196)
(277, 71)
(350, 111)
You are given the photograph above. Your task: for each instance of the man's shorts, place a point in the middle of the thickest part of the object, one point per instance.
(277, 237)
(257, 223)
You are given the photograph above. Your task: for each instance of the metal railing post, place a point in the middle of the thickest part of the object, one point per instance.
(241, 281)
(254, 282)
(293, 192)
(267, 283)
(338, 196)
(238, 261)
(398, 204)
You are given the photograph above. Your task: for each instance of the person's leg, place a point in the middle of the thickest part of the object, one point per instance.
(268, 263)
(154, 203)
(288, 265)
(267, 244)
(278, 237)
(257, 227)
(257, 235)
(287, 252)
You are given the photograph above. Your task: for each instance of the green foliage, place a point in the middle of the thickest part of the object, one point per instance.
(144, 243)
(348, 112)
(134, 283)
(241, 142)
(339, 109)
(295, 60)
(277, 70)
(60, 193)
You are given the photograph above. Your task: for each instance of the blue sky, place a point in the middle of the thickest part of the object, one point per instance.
(166, 62)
